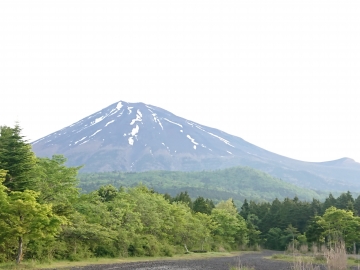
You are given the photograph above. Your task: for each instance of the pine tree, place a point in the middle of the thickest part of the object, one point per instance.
(201, 205)
(17, 158)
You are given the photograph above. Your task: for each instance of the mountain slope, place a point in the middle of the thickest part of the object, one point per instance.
(236, 182)
(140, 137)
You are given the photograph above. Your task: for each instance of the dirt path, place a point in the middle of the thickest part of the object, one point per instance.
(255, 260)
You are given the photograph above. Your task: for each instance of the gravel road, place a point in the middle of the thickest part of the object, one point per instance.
(255, 260)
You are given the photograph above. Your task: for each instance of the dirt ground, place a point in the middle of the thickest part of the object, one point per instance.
(255, 260)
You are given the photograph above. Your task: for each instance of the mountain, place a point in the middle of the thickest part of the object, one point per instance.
(140, 137)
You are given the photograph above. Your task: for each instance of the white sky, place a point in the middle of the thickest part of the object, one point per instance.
(283, 75)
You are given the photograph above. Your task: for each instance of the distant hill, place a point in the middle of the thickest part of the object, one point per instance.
(237, 183)
(135, 137)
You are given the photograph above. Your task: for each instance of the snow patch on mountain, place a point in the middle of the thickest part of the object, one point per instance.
(113, 111)
(120, 114)
(137, 119)
(83, 138)
(97, 120)
(84, 142)
(172, 122)
(95, 133)
(119, 106)
(216, 136)
(221, 139)
(157, 120)
(133, 134)
(131, 140)
(135, 130)
(108, 123)
(192, 140)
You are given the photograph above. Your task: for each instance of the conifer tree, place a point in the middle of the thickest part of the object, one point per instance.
(201, 205)
(17, 158)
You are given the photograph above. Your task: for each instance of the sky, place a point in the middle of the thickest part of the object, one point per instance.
(283, 75)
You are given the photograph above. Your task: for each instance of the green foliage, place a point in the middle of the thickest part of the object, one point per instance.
(44, 216)
(230, 227)
(183, 197)
(57, 184)
(202, 205)
(23, 219)
(17, 159)
(338, 224)
(282, 222)
(238, 183)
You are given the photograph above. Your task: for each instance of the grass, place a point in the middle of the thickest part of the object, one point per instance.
(334, 258)
(241, 267)
(93, 261)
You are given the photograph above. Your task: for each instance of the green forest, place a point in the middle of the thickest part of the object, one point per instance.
(239, 183)
(45, 216)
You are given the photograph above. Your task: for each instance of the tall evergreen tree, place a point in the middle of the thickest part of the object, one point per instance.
(329, 201)
(203, 206)
(345, 201)
(357, 206)
(183, 197)
(245, 209)
(17, 158)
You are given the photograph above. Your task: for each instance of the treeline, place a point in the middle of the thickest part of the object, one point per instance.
(44, 216)
(301, 222)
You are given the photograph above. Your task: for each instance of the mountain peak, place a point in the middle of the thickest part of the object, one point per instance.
(138, 137)
(139, 130)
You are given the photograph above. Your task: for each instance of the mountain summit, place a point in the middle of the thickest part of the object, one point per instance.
(139, 137)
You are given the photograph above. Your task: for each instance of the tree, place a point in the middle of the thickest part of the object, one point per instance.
(253, 231)
(338, 224)
(107, 193)
(314, 232)
(183, 197)
(201, 205)
(231, 227)
(57, 184)
(293, 232)
(273, 237)
(17, 158)
(228, 206)
(344, 201)
(357, 205)
(23, 218)
(245, 209)
(329, 201)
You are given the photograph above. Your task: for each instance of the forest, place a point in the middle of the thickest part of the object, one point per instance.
(44, 216)
(238, 183)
